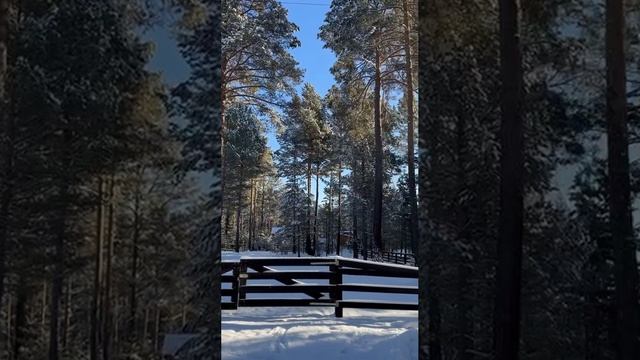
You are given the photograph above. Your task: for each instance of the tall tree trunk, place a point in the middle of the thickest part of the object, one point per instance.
(6, 186)
(377, 191)
(97, 284)
(60, 229)
(145, 328)
(43, 307)
(329, 220)
(21, 318)
(238, 213)
(315, 212)
(308, 239)
(223, 127)
(8, 323)
(411, 178)
(434, 344)
(430, 346)
(107, 321)
(251, 216)
(621, 219)
(363, 211)
(509, 267)
(6, 191)
(354, 205)
(254, 217)
(4, 41)
(156, 330)
(463, 343)
(227, 221)
(133, 299)
(264, 181)
(116, 328)
(339, 207)
(67, 313)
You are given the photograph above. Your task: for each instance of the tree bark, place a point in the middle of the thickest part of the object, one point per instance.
(43, 307)
(315, 212)
(7, 193)
(8, 323)
(133, 299)
(264, 183)
(223, 126)
(67, 314)
(308, 239)
(620, 216)
(107, 321)
(354, 204)
(156, 330)
(363, 211)
(251, 216)
(227, 222)
(60, 226)
(339, 207)
(411, 178)
(378, 177)
(509, 267)
(6, 186)
(238, 213)
(463, 324)
(97, 286)
(21, 318)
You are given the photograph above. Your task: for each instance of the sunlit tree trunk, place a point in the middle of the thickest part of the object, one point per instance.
(411, 178)
(308, 239)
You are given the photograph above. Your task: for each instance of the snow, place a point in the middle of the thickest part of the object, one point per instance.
(314, 333)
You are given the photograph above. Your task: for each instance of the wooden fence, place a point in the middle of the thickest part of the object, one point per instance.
(237, 274)
(400, 258)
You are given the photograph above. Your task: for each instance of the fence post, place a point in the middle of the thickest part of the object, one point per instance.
(336, 291)
(242, 281)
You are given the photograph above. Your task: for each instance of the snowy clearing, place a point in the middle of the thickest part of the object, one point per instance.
(294, 333)
(314, 333)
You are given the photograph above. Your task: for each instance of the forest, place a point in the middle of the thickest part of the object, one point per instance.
(496, 141)
(528, 179)
(102, 207)
(344, 172)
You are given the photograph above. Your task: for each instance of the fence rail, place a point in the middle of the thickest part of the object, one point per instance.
(400, 258)
(236, 274)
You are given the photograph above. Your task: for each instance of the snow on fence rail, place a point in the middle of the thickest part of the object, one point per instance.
(389, 257)
(236, 275)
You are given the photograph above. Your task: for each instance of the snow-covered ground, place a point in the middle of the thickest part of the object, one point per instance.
(314, 333)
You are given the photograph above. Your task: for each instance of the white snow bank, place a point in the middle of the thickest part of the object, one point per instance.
(315, 334)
